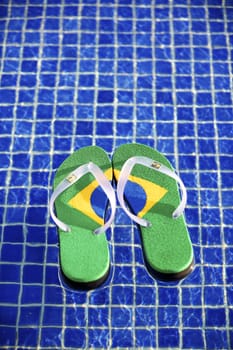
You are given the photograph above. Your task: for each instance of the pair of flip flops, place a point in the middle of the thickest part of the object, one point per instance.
(149, 186)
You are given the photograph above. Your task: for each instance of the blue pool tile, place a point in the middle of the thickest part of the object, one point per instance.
(226, 162)
(68, 39)
(86, 96)
(145, 296)
(9, 293)
(52, 316)
(89, 11)
(168, 316)
(75, 317)
(75, 337)
(68, 65)
(49, 66)
(193, 338)
(192, 318)
(220, 68)
(62, 111)
(228, 234)
(7, 96)
(210, 216)
(121, 317)
(98, 338)
(215, 317)
(145, 338)
(105, 96)
(214, 275)
(209, 197)
(213, 296)
(51, 336)
(168, 337)
(29, 315)
(33, 24)
(99, 298)
(32, 294)
(11, 253)
(104, 128)
(106, 11)
(42, 144)
(142, 275)
(207, 163)
(32, 274)
(6, 127)
(223, 98)
(8, 315)
(8, 335)
(145, 317)
(125, 12)
(216, 338)
(28, 336)
(124, 67)
(6, 142)
(227, 216)
(225, 146)
(15, 215)
(28, 81)
(35, 254)
(125, 96)
(8, 80)
(168, 296)
(122, 337)
(207, 146)
(122, 295)
(13, 233)
(108, 82)
(35, 11)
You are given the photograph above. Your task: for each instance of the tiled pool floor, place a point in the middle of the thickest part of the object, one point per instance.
(104, 72)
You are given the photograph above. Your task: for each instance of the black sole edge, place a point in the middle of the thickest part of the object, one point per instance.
(170, 277)
(83, 286)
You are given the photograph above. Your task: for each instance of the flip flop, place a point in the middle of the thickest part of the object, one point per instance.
(82, 191)
(147, 182)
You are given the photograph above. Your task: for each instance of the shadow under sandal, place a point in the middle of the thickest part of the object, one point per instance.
(82, 191)
(149, 185)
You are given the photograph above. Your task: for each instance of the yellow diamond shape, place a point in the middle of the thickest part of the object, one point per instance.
(82, 200)
(154, 193)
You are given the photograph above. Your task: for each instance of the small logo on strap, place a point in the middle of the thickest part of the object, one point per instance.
(156, 165)
(71, 178)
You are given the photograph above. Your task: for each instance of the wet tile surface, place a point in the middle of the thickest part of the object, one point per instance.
(103, 72)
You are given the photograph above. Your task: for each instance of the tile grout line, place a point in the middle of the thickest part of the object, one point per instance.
(40, 54)
(211, 60)
(176, 154)
(154, 104)
(197, 170)
(76, 87)
(96, 88)
(115, 111)
(56, 101)
(9, 170)
(220, 191)
(95, 102)
(28, 196)
(133, 227)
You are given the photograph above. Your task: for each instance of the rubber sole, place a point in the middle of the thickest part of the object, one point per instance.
(166, 245)
(84, 256)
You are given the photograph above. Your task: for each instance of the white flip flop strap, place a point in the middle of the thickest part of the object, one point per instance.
(150, 163)
(74, 177)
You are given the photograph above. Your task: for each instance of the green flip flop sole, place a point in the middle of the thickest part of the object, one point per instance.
(84, 255)
(153, 196)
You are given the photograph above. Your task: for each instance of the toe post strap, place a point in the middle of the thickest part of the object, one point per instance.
(73, 178)
(150, 163)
